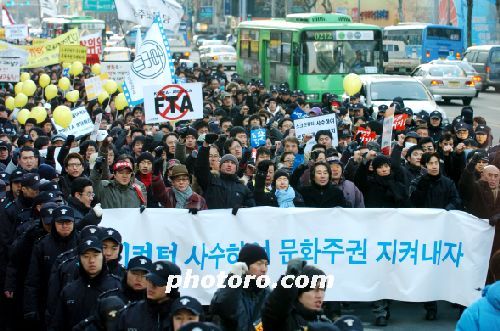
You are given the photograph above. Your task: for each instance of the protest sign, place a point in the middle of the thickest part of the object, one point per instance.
(16, 32)
(399, 122)
(366, 136)
(311, 125)
(72, 53)
(385, 146)
(371, 253)
(258, 138)
(80, 125)
(116, 70)
(97, 125)
(93, 86)
(48, 53)
(173, 102)
(93, 42)
(10, 69)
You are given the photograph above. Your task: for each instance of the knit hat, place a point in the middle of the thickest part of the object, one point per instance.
(251, 253)
(310, 271)
(47, 172)
(380, 161)
(229, 157)
(280, 173)
(145, 156)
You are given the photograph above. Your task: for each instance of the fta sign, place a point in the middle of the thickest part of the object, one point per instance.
(173, 102)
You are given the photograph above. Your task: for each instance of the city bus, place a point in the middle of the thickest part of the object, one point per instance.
(55, 26)
(311, 52)
(421, 43)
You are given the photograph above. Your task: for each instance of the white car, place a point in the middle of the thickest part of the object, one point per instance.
(380, 90)
(214, 55)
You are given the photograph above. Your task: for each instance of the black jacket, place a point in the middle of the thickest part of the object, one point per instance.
(43, 256)
(239, 308)
(283, 312)
(78, 299)
(83, 216)
(221, 191)
(145, 315)
(115, 268)
(322, 196)
(434, 192)
(263, 198)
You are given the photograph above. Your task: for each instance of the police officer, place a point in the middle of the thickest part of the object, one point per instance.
(78, 299)
(154, 312)
(62, 237)
(112, 248)
(134, 283)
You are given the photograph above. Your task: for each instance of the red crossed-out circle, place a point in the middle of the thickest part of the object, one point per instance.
(182, 92)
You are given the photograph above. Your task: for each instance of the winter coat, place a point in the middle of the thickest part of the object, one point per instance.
(166, 196)
(283, 312)
(484, 314)
(115, 268)
(79, 299)
(352, 194)
(145, 315)
(83, 216)
(327, 196)
(221, 191)
(111, 194)
(434, 192)
(239, 308)
(263, 198)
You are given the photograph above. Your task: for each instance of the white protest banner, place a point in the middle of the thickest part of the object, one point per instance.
(152, 64)
(93, 42)
(97, 125)
(16, 32)
(413, 255)
(311, 125)
(10, 69)
(93, 86)
(143, 12)
(116, 70)
(387, 135)
(173, 102)
(80, 125)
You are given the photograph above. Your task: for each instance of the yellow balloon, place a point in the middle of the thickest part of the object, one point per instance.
(20, 100)
(29, 87)
(66, 65)
(9, 103)
(23, 115)
(50, 91)
(44, 80)
(18, 88)
(120, 87)
(121, 101)
(102, 96)
(64, 83)
(96, 69)
(352, 84)
(76, 68)
(25, 76)
(62, 116)
(73, 96)
(38, 113)
(110, 86)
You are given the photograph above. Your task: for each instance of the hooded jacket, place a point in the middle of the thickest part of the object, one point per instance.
(483, 315)
(111, 194)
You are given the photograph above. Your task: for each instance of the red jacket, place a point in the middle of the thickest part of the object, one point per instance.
(166, 196)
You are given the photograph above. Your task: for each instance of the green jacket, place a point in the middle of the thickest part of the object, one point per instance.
(111, 194)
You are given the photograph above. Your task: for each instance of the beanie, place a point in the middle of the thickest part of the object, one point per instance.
(145, 156)
(251, 253)
(309, 271)
(229, 157)
(380, 161)
(281, 173)
(47, 172)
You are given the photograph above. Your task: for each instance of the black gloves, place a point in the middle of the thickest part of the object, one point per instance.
(193, 211)
(295, 267)
(159, 151)
(158, 167)
(70, 139)
(352, 147)
(210, 138)
(142, 208)
(235, 210)
(263, 166)
(99, 161)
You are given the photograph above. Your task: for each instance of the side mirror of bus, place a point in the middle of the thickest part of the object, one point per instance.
(386, 56)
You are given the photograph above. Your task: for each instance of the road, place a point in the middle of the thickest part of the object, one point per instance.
(486, 105)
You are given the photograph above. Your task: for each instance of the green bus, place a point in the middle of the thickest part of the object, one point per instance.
(312, 52)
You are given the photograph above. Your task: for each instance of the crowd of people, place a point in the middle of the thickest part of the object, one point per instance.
(60, 270)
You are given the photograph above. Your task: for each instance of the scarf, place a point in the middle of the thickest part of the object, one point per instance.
(285, 197)
(146, 179)
(182, 197)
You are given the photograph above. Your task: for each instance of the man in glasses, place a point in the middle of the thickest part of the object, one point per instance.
(82, 195)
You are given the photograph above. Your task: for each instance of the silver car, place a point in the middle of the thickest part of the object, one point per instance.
(448, 81)
(214, 55)
(469, 70)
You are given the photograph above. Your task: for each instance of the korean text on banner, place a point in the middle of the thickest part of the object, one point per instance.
(16, 32)
(93, 86)
(152, 64)
(258, 138)
(143, 12)
(48, 53)
(173, 102)
(116, 70)
(80, 125)
(72, 53)
(370, 252)
(10, 69)
(93, 42)
(311, 125)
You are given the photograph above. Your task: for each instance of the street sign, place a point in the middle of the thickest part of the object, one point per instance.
(99, 5)
(205, 14)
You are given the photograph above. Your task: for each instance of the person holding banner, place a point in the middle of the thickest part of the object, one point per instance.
(322, 193)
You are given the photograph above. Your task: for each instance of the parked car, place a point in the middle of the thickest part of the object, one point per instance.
(199, 40)
(486, 60)
(214, 55)
(380, 90)
(472, 74)
(447, 81)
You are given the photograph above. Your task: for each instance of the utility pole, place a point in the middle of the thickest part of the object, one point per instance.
(400, 11)
(469, 22)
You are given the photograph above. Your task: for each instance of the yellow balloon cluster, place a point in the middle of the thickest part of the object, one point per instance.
(9, 103)
(76, 68)
(29, 87)
(62, 116)
(66, 65)
(44, 80)
(352, 84)
(22, 116)
(38, 113)
(50, 91)
(18, 88)
(25, 76)
(121, 101)
(73, 96)
(64, 83)
(96, 69)
(102, 97)
(110, 86)
(20, 100)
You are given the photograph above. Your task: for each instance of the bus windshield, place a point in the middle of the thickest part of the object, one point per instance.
(328, 57)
